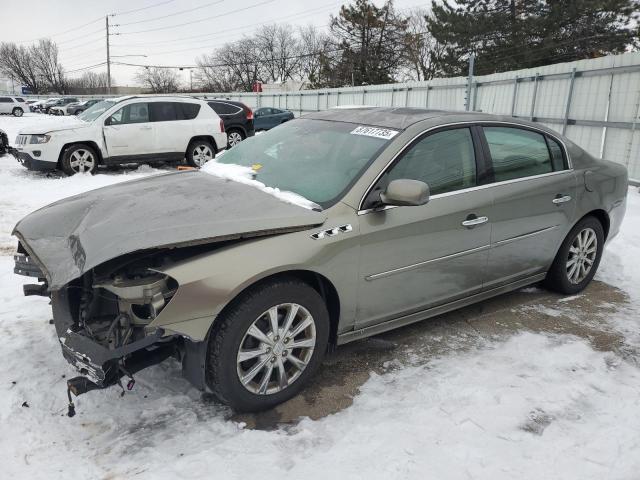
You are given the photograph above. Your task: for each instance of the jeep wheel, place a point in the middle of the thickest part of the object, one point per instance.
(200, 152)
(266, 347)
(79, 159)
(17, 112)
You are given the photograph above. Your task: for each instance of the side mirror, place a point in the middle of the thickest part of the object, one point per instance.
(405, 192)
(108, 121)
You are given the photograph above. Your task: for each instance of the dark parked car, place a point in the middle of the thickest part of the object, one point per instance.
(81, 107)
(268, 117)
(4, 143)
(237, 118)
(58, 103)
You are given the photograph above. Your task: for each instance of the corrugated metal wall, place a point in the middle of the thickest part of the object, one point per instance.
(596, 103)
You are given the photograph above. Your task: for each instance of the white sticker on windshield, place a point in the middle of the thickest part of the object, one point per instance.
(375, 132)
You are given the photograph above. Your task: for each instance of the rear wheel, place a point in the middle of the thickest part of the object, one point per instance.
(79, 158)
(265, 348)
(17, 112)
(234, 137)
(578, 258)
(200, 152)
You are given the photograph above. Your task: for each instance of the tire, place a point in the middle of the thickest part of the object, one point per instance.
(79, 158)
(234, 137)
(229, 336)
(577, 261)
(200, 152)
(17, 112)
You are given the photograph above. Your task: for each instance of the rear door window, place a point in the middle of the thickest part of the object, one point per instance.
(164, 112)
(517, 153)
(5, 100)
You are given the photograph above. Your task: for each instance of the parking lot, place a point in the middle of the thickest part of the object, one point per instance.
(549, 383)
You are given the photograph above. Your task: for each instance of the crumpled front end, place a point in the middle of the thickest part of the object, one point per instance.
(102, 321)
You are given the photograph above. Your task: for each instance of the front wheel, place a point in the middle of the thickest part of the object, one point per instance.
(79, 159)
(200, 152)
(578, 258)
(265, 348)
(17, 112)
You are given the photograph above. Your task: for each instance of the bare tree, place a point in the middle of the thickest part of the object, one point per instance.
(17, 63)
(422, 50)
(158, 80)
(243, 60)
(314, 44)
(88, 83)
(45, 59)
(279, 49)
(212, 78)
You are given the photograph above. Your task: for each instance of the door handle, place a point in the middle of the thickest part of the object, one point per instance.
(146, 128)
(471, 222)
(561, 199)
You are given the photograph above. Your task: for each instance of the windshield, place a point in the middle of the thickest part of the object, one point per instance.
(93, 112)
(317, 159)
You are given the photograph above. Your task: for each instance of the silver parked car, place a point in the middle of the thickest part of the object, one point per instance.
(416, 213)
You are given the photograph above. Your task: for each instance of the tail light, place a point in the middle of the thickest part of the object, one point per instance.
(249, 113)
(221, 126)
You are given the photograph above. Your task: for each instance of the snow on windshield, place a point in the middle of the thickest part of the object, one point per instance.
(245, 175)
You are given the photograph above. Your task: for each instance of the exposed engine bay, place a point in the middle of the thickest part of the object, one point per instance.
(103, 318)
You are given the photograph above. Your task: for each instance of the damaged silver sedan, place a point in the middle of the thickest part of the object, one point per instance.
(408, 214)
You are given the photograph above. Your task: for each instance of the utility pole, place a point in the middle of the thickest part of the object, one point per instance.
(467, 98)
(106, 20)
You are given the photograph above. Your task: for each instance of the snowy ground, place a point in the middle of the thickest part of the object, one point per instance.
(522, 405)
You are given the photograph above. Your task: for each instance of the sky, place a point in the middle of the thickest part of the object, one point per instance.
(155, 32)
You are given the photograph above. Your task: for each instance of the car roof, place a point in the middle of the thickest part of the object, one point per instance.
(400, 118)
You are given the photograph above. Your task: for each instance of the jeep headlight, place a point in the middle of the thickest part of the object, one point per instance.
(39, 138)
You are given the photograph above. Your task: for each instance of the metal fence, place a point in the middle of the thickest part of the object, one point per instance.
(595, 103)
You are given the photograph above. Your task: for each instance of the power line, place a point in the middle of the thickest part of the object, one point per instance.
(218, 33)
(89, 67)
(169, 15)
(73, 29)
(199, 21)
(140, 9)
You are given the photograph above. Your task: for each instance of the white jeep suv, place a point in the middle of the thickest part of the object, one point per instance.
(15, 106)
(125, 130)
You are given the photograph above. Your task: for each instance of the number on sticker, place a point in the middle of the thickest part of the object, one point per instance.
(375, 132)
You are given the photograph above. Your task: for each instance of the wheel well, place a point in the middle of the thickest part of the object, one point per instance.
(208, 138)
(90, 143)
(603, 217)
(240, 128)
(320, 284)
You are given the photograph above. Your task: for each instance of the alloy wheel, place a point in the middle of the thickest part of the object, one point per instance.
(234, 139)
(202, 154)
(276, 349)
(82, 161)
(582, 255)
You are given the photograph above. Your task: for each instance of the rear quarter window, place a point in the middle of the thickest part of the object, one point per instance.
(189, 110)
(223, 108)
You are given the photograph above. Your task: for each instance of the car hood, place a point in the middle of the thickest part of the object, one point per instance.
(74, 235)
(53, 127)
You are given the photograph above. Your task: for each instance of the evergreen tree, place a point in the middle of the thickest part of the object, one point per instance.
(514, 34)
(368, 44)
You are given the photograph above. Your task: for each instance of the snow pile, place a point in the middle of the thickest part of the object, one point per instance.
(530, 406)
(245, 175)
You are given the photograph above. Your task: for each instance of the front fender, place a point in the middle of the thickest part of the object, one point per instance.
(208, 282)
